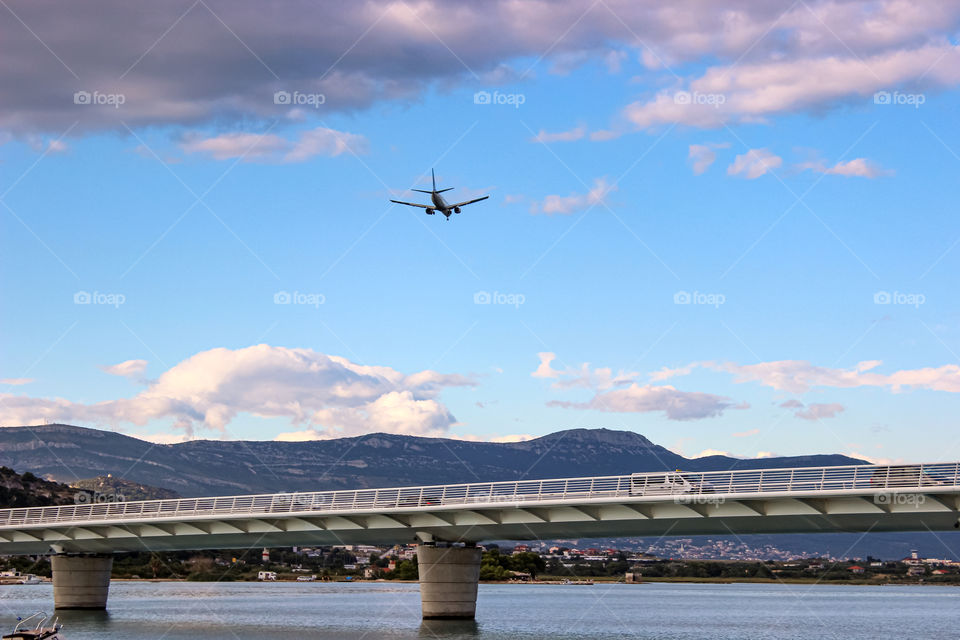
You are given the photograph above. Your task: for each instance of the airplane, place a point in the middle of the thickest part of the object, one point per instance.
(439, 204)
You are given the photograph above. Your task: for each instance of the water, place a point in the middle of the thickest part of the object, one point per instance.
(657, 611)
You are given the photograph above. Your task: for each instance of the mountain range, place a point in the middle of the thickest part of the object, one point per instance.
(219, 467)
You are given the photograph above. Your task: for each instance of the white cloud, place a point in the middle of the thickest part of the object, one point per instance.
(301, 436)
(754, 163)
(858, 167)
(566, 205)
(57, 146)
(560, 136)
(675, 404)
(16, 382)
(273, 148)
(754, 91)
(787, 56)
(516, 437)
(210, 389)
(814, 411)
(569, 377)
(666, 373)
(621, 394)
(544, 370)
(701, 156)
(714, 452)
(746, 434)
(132, 369)
(614, 60)
(874, 459)
(163, 438)
(799, 376)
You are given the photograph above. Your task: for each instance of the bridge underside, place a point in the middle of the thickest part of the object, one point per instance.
(640, 518)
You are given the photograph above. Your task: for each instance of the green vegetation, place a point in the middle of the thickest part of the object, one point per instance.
(497, 566)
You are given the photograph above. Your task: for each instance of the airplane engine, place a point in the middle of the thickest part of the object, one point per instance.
(429, 212)
(456, 209)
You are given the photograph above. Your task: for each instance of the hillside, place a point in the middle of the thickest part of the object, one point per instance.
(216, 467)
(27, 490)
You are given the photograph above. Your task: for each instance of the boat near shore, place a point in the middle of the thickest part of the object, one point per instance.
(15, 577)
(35, 627)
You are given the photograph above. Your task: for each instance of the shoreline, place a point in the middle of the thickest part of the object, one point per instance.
(582, 581)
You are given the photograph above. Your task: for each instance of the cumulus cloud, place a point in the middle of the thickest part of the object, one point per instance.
(858, 167)
(575, 202)
(210, 389)
(223, 60)
(754, 163)
(273, 148)
(128, 369)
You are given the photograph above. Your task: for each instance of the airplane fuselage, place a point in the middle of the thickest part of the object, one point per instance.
(440, 204)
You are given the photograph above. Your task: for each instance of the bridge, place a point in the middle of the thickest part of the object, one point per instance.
(448, 520)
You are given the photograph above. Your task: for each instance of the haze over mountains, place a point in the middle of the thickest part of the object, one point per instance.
(217, 467)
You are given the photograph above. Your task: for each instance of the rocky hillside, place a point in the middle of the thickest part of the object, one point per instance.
(27, 490)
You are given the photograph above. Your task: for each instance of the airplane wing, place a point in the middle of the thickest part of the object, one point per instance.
(413, 204)
(463, 204)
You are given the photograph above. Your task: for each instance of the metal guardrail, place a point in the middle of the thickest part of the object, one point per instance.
(801, 480)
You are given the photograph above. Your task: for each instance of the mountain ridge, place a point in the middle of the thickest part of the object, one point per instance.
(68, 453)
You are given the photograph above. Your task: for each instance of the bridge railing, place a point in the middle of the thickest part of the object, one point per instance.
(878, 479)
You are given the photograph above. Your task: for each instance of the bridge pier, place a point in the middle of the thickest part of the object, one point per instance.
(81, 582)
(448, 581)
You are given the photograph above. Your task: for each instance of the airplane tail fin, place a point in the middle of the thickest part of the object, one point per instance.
(433, 177)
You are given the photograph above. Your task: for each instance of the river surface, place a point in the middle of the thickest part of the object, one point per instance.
(215, 611)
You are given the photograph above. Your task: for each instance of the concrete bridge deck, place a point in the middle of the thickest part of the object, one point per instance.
(854, 498)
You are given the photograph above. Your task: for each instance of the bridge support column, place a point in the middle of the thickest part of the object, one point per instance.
(81, 582)
(448, 581)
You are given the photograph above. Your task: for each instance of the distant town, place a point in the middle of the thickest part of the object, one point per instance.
(675, 559)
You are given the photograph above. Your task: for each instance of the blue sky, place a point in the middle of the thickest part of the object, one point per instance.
(186, 220)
